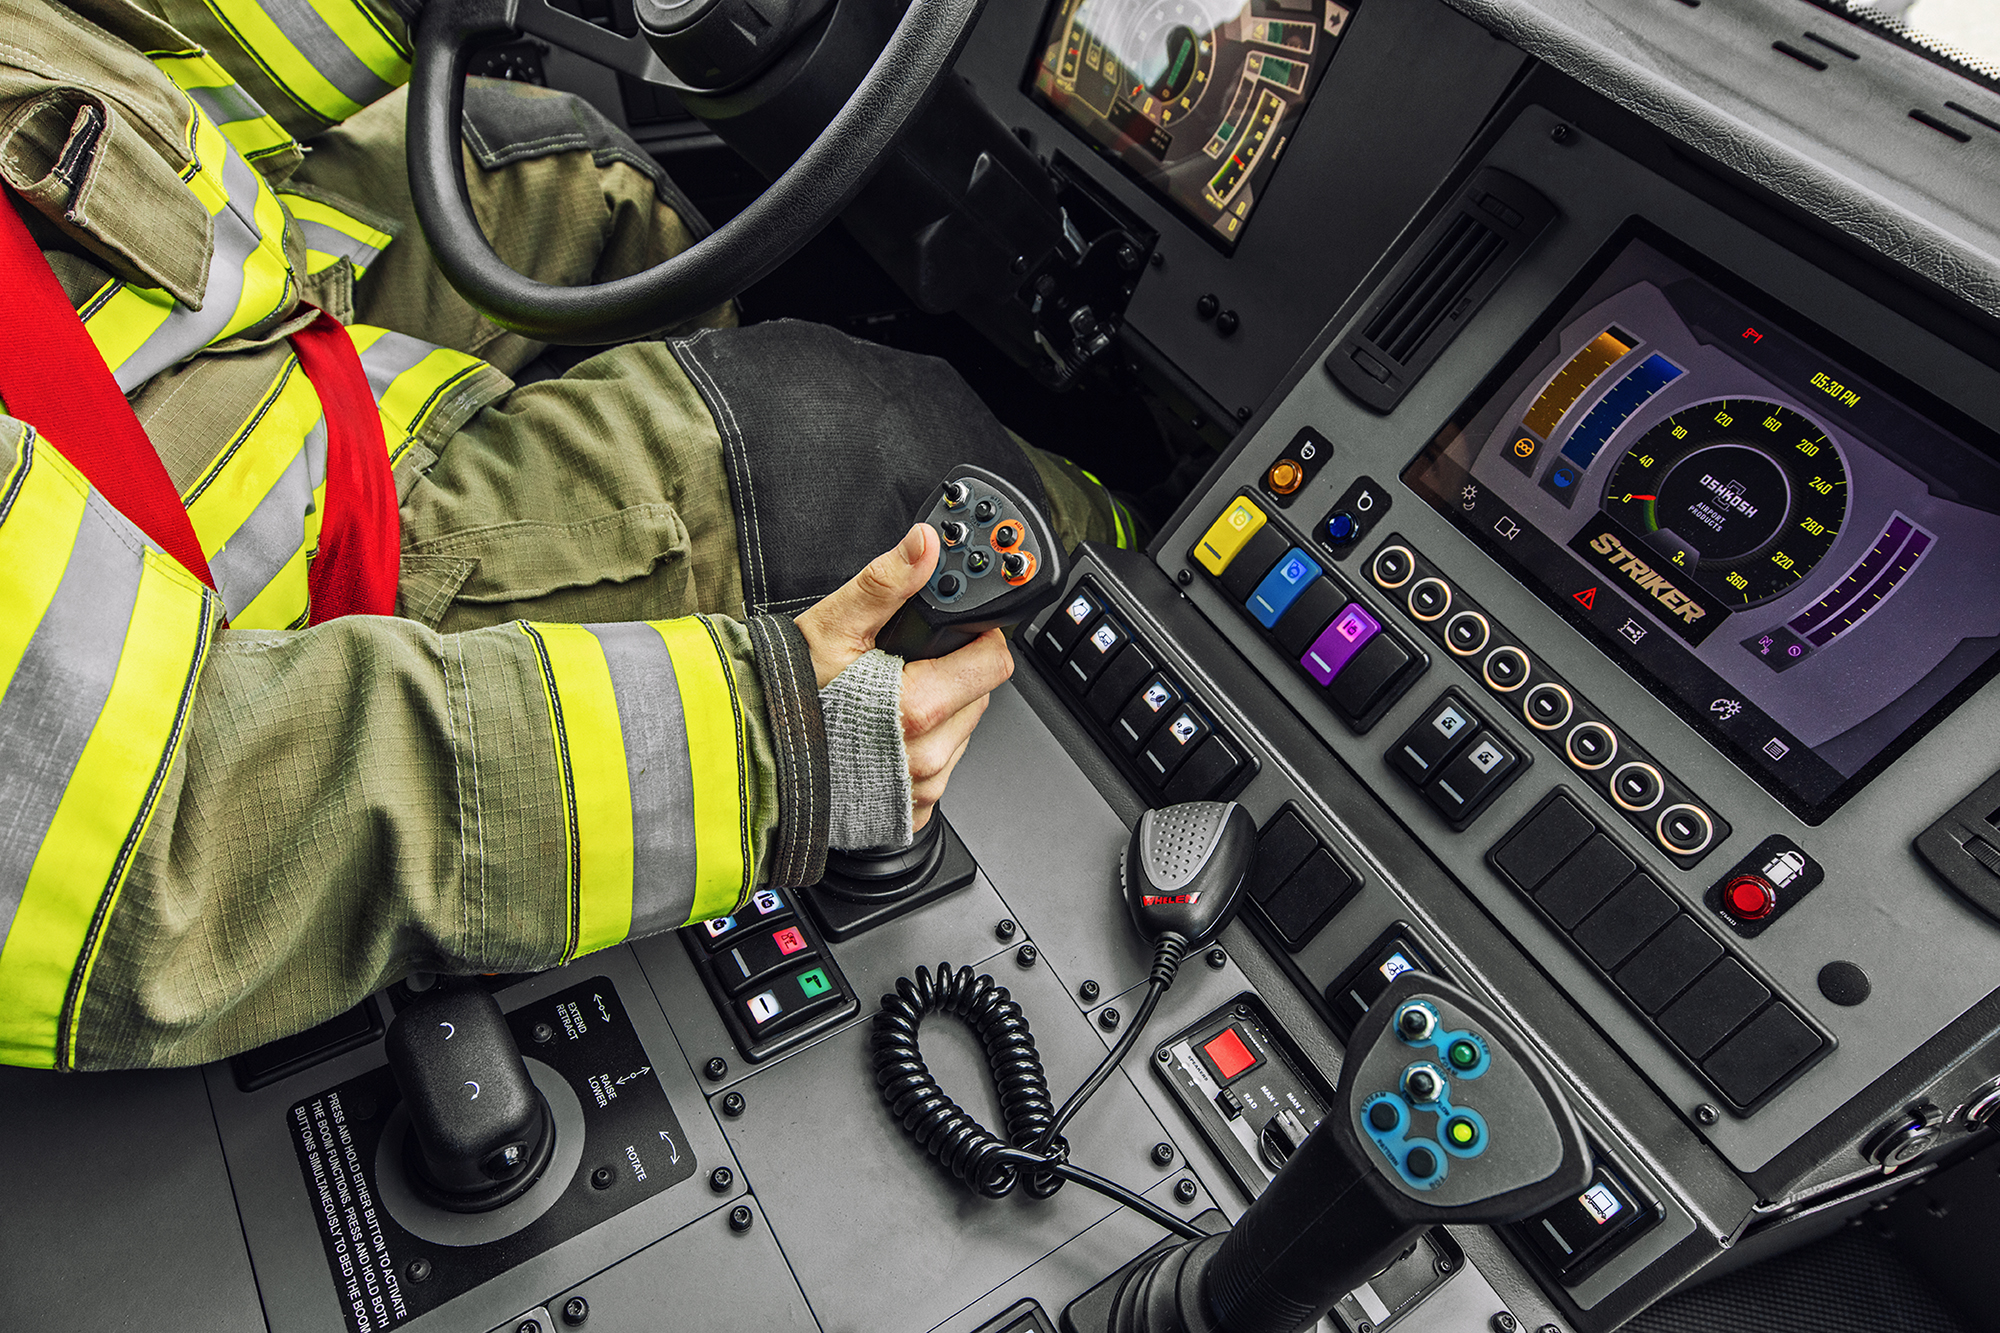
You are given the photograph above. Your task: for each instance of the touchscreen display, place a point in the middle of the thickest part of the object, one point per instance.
(1196, 98)
(1792, 546)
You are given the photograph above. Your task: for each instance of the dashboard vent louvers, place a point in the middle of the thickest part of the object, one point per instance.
(1436, 286)
(1439, 283)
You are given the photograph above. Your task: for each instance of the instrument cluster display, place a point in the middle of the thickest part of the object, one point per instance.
(1195, 98)
(1792, 546)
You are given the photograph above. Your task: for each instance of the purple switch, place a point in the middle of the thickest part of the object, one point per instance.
(1338, 642)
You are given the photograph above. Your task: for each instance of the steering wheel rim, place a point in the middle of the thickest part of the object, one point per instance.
(796, 206)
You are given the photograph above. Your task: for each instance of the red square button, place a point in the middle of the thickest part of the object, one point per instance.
(789, 940)
(1228, 1053)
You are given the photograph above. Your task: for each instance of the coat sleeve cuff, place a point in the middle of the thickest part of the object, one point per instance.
(798, 734)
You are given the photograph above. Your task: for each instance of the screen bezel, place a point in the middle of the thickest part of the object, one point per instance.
(1973, 433)
(1180, 211)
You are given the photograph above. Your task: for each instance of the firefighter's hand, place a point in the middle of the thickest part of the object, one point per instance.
(944, 698)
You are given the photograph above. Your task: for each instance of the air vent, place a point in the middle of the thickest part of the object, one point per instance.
(1462, 255)
(1440, 284)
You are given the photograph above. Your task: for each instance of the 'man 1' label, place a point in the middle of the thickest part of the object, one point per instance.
(1648, 576)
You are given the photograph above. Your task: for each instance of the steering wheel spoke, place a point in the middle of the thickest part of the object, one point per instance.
(628, 55)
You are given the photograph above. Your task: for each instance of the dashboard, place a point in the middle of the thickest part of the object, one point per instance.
(1595, 604)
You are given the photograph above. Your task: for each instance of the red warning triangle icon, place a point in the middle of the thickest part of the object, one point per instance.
(1587, 599)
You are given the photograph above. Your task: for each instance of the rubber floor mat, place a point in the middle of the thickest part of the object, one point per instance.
(1851, 1282)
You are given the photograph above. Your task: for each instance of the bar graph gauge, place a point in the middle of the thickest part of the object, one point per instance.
(1745, 496)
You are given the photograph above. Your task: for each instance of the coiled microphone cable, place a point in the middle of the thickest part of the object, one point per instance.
(1181, 874)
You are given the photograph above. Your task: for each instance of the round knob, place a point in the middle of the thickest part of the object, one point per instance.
(1421, 1084)
(1415, 1022)
(1749, 898)
(952, 531)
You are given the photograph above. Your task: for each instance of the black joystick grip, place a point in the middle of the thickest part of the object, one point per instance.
(480, 1132)
(1001, 563)
(1443, 1114)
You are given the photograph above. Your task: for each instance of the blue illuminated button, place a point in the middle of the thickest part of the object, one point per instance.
(1340, 528)
(1282, 586)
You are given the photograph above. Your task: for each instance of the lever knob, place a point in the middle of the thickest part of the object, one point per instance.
(480, 1131)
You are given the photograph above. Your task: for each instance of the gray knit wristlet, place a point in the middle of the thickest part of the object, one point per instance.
(869, 768)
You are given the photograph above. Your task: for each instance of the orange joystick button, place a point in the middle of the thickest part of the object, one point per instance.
(1008, 536)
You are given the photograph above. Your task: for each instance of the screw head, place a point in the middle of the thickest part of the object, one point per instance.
(1107, 1018)
(1164, 1056)
(1218, 957)
(528, 1326)
(1163, 1153)
(732, 1104)
(1441, 1265)
(1560, 134)
(1364, 1327)
(1185, 577)
(1089, 990)
(601, 1178)
(1206, 306)
(542, 1033)
(1227, 323)
(721, 1179)
(1026, 955)
(575, 1310)
(1185, 1190)
(1005, 930)
(1548, 1328)
(741, 1218)
(1505, 1323)
(418, 1269)
(1158, 260)
(716, 1069)
(1707, 1114)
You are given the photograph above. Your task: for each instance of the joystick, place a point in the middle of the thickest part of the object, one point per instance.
(480, 1131)
(1001, 563)
(1443, 1114)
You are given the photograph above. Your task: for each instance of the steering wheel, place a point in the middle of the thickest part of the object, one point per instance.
(809, 195)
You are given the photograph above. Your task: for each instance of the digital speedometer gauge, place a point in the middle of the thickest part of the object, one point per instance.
(1745, 495)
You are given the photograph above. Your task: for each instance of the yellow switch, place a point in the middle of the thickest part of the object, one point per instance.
(1227, 535)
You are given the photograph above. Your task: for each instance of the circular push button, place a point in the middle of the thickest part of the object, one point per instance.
(1284, 477)
(1341, 527)
(1429, 599)
(1422, 1084)
(1548, 706)
(986, 511)
(1749, 898)
(1008, 536)
(1506, 669)
(1414, 1022)
(1461, 1133)
(1393, 566)
(1591, 745)
(1382, 1117)
(949, 585)
(1422, 1163)
(1466, 633)
(1684, 829)
(1637, 786)
(976, 562)
(1463, 1055)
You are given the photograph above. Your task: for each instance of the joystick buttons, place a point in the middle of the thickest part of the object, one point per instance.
(952, 531)
(1382, 1117)
(1422, 1084)
(957, 494)
(1414, 1022)
(1017, 566)
(1461, 1133)
(986, 511)
(1422, 1164)
(1463, 1055)
(977, 561)
(948, 585)
(1008, 535)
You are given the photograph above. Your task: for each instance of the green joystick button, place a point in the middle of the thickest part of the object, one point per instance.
(1463, 1054)
(1461, 1133)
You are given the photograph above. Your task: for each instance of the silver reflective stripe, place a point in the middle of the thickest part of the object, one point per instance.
(226, 104)
(660, 773)
(266, 542)
(332, 58)
(332, 241)
(51, 705)
(389, 356)
(184, 332)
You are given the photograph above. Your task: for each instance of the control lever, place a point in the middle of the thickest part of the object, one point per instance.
(480, 1131)
(1443, 1114)
(999, 564)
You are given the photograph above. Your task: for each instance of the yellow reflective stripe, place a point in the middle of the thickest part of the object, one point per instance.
(310, 52)
(332, 235)
(409, 378)
(242, 120)
(713, 712)
(35, 540)
(284, 602)
(256, 455)
(111, 798)
(591, 745)
(124, 321)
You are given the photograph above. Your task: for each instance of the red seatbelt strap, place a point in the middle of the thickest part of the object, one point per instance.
(360, 535)
(53, 376)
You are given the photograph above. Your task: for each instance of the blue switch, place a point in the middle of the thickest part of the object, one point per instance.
(1281, 587)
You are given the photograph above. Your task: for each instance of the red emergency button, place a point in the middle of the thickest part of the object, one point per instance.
(1749, 898)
